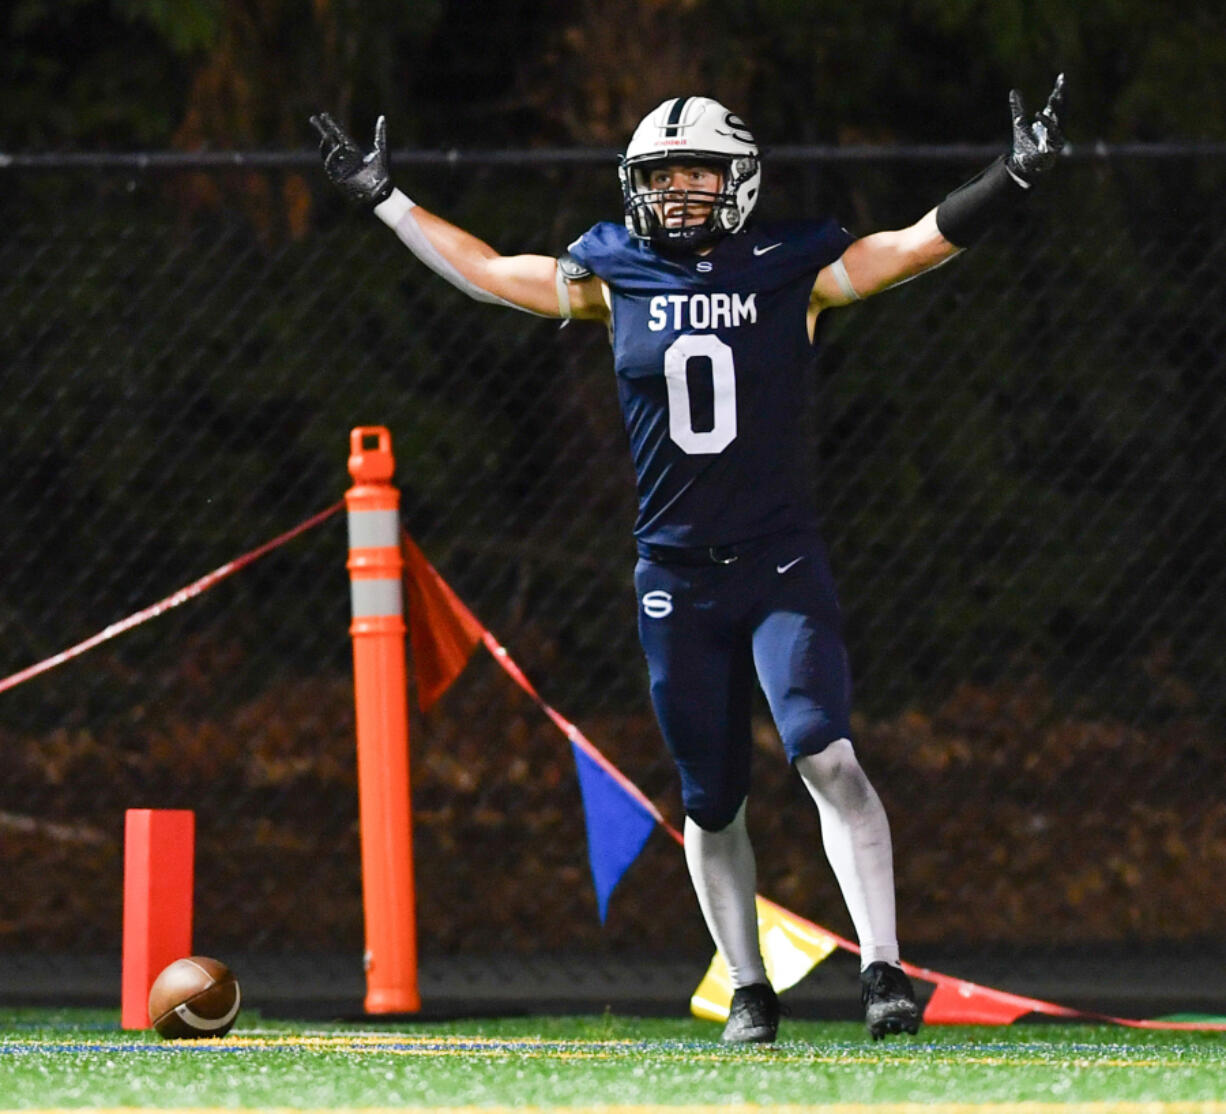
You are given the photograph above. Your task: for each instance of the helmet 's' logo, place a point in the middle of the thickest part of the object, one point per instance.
(736, 128)
(657, 604)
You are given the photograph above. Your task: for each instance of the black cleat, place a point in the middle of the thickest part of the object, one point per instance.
(889, 1001)
(753, 1016)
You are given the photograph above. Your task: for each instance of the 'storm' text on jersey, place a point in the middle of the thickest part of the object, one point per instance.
(702, 311)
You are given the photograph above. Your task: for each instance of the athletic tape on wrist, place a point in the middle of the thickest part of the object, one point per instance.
(397, 213)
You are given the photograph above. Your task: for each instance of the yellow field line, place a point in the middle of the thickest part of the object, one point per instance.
(538, 1048)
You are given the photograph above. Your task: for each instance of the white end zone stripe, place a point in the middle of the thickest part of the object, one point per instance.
(374, 529)
(209, 1024)
(376, 597)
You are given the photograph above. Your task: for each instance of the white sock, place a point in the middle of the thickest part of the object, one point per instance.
(856, 835)
(725, 876)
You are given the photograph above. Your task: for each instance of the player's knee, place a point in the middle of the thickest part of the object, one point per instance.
(808, 728)
(835, 774)
(714, 816)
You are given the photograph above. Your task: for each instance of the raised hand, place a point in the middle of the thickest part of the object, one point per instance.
(363, 176)
(1038, 141)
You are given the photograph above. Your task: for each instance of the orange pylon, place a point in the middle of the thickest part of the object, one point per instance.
(381, 697)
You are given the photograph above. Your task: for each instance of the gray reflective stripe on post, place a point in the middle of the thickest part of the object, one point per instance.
(376, 597)
(374, 529)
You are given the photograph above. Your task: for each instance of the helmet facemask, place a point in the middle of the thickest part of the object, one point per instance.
(689, 131)
(644, 205)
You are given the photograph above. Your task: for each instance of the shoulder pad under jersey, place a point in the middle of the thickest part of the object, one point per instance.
(572, 270)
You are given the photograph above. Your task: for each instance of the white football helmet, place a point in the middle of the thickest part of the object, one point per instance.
(696, 129)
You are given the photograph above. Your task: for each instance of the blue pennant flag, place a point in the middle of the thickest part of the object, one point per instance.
(617, 825)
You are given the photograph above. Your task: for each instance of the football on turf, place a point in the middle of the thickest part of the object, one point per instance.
(194, 997)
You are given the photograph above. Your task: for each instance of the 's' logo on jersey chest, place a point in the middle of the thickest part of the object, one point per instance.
(701, 311)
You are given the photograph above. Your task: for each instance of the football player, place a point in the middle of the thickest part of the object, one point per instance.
(712, 318)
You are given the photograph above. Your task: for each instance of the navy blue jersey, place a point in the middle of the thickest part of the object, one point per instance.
(711, 354)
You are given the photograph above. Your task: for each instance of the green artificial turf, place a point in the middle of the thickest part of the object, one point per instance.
(76, 1058)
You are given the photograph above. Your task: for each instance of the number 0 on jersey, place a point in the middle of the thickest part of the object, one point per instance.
(681, 429)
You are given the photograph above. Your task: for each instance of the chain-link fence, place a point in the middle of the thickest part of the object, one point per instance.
(1017, 461)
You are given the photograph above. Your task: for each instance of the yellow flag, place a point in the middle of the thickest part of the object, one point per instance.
(791, 948)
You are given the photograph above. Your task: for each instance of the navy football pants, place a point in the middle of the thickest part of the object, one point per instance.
(710, 632)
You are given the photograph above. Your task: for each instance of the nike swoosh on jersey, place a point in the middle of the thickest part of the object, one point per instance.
(760, 250)
(781, 569)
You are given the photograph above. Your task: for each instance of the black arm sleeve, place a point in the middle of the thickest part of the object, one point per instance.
(970, 210)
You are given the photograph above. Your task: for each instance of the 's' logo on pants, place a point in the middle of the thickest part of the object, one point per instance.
(657, 604)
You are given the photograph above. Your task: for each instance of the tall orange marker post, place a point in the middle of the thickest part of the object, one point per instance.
(381, 693)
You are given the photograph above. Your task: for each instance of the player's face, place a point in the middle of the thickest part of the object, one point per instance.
(688, 189)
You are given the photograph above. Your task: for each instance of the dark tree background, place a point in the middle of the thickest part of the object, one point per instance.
(224, 74)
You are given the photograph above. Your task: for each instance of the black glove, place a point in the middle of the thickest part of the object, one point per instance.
(1037, 142)
(363, 177)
